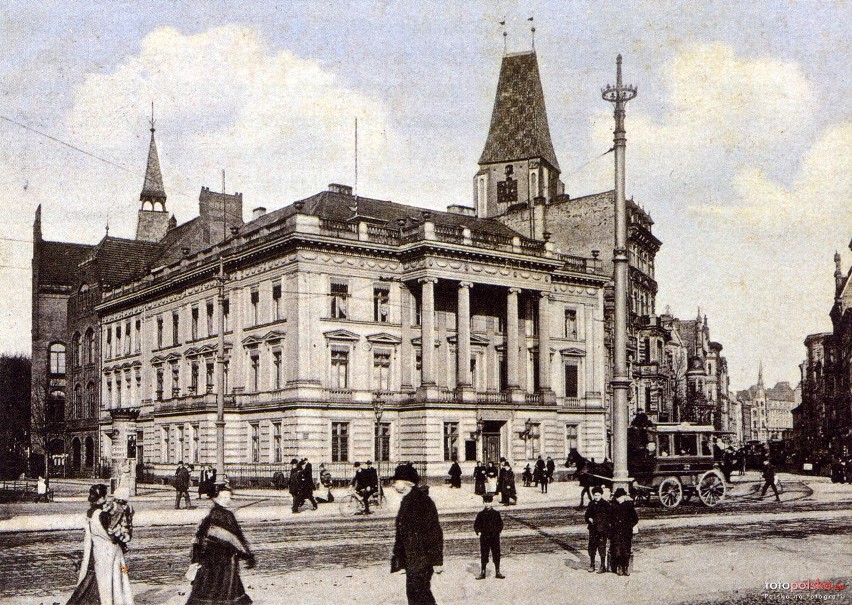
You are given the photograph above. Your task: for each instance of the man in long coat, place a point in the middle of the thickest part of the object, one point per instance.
(182, 481)
(308, 482)
(455, 474)
(506, 484)
(622, 520)
(419, 544)
(294, 485)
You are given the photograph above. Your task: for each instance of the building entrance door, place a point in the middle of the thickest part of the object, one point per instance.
(492, 447)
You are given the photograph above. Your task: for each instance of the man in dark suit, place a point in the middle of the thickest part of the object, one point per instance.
(294, 485)
(419, 544)
(367, 484)
(769, 480)
(182, 481)
(308, 482)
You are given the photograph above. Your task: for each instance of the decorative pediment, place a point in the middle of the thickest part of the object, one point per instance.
(273, 336)
(171, 357)
(475, 340)
(383, 338)
(572, 352)
(191, 352)
(344, 335)
(251, 341)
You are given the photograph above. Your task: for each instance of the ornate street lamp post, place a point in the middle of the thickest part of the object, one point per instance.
(619, 95)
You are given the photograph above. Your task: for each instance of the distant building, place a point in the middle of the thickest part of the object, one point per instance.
(823, 420)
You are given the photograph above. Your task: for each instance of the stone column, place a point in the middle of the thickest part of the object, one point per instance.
(427, 331)
(406, 360)
(544, 341)
(463, 335)
(512, 338)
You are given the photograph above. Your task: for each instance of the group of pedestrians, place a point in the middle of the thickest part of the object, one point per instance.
(301, 484)
(613, 523)
(541, 476)
(491, 480)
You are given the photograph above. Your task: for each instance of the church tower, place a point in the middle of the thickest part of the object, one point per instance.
(153, 221)
(518, 165)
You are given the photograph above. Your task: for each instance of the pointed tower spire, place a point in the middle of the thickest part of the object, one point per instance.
(153, 220)
(838, 274)
(518, 163)
(760, 375)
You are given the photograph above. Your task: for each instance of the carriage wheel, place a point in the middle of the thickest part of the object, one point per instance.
(670, 492)
(711, 488)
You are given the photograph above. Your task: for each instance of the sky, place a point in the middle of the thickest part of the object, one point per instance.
(737, 143)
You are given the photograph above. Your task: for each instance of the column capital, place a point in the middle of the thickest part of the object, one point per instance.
(427, 280)
(465, 284)
(514, 290)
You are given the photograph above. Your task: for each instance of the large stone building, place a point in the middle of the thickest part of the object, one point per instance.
(328, 303)
(823, 420)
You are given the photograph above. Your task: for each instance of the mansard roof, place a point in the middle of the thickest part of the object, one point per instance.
(337, 206)
(519, 128)
(117, 260)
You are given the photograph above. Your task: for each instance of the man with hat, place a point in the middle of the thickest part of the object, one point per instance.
(623, 519)
(367, 485)
(294, 485)
(488, 525)
(419, 544)
(769, 480)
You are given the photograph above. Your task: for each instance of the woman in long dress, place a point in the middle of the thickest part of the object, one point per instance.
(103, 575)
(219, 546)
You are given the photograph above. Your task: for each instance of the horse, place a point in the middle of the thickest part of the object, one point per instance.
(589, 473)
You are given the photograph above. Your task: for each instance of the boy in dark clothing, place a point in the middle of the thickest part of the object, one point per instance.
(622, 520)
(769, 480)
(488, 525)
(597, 517)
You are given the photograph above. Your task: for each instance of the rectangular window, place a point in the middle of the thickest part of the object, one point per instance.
(226, 310)
(451, 440)
(339, 295)
(276, 361)
(570, 324)
(108, 346)
(381, 370)
(381, 304)
(255, 304)
(137, 336)
(117, 391)
(276, 441)
(469, 450)
(194, 324)
(255, 443)
(108, 394)
(255, 372)
(211, 330)
(571, 437)
(117, 344)
(339, 368)
(340, 442)
(276, 302)
(159, 332)
(175, 380)
(225, 373)
(159, 386)
(175, 328)
(166, 445)
(571, 381)
(503, 372)
(195, 442)
(127, 338)
(209, 376)
(534, 442)
(180, 443)
(57, 359)
(382, 440)
(193, 378)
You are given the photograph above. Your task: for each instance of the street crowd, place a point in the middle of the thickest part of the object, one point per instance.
(220, 545)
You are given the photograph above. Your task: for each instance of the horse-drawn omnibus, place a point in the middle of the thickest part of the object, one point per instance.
(668, 461)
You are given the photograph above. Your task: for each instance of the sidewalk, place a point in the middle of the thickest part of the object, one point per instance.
(155, 504)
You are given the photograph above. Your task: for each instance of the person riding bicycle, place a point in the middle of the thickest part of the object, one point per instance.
(366, 484)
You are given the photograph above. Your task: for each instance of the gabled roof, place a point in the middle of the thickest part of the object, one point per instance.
(116, 260)
(519, 127)
(58, 262)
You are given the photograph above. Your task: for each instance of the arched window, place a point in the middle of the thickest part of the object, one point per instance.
(89, 353)
(78, 401)
(89, 451)
(90, 400)
(76, 351)
(56, 359)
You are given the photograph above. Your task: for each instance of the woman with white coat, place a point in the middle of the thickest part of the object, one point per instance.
(103, 575)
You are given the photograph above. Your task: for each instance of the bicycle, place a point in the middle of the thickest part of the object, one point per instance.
(353, 504)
